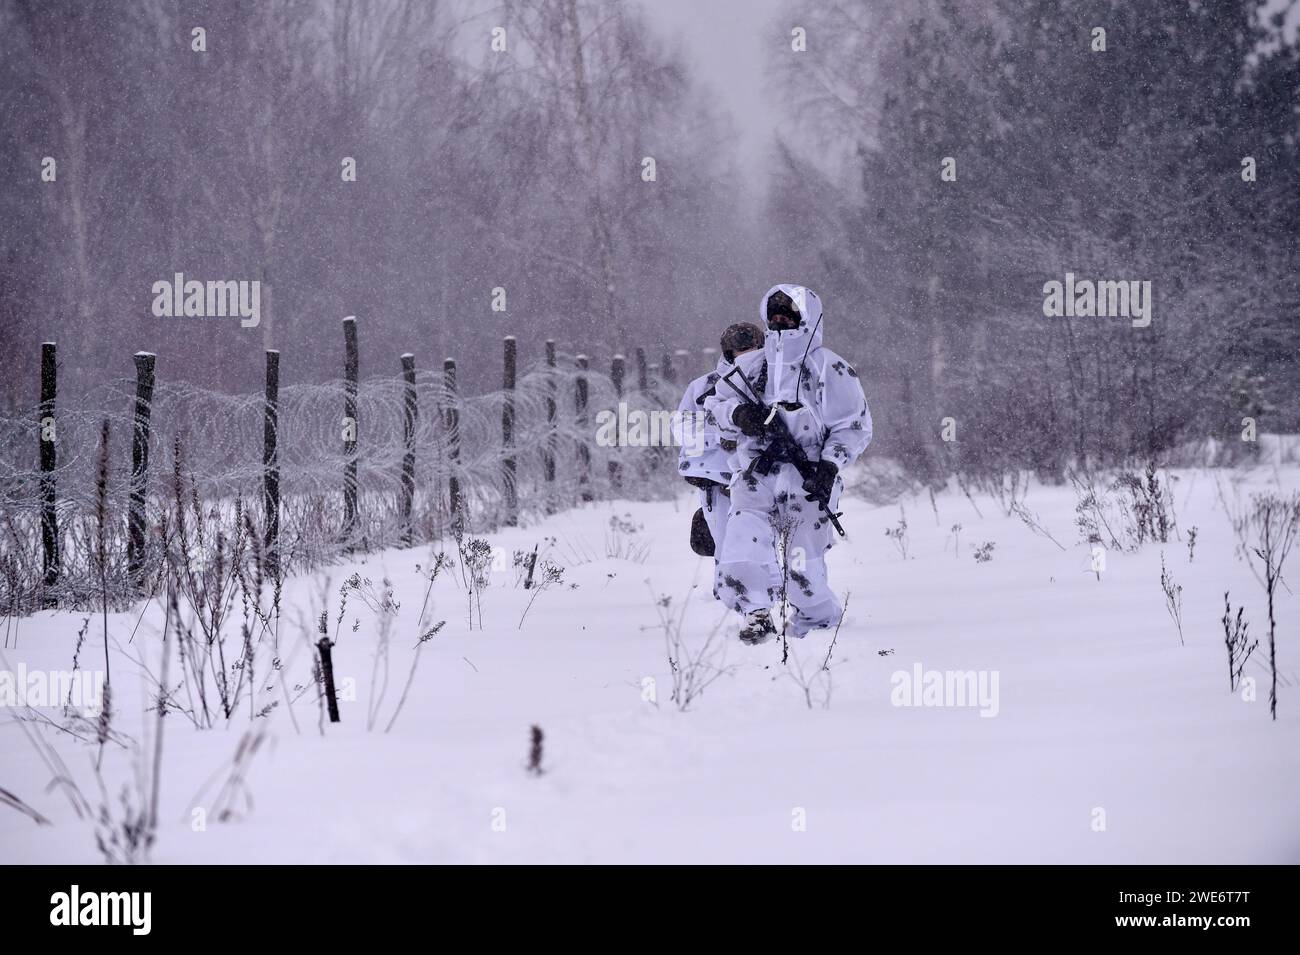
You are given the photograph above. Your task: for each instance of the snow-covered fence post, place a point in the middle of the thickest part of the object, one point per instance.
(349, 426)
(584, 452)
(642, 375)
(49, 492)
(271, 463)
(144, 382)
(616, 372)
(411, 411)
(548, 454)
(508, 432)
(451, 426)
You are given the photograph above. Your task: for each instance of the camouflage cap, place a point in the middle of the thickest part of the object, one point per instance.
(740, 337)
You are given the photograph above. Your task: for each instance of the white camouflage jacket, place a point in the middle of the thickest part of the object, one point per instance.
(832, 421)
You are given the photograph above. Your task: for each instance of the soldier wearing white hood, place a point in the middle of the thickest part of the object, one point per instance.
(703, 461)
(818, 395)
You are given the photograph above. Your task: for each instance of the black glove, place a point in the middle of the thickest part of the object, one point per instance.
(821, 482)
(702, 483)
(749, 419)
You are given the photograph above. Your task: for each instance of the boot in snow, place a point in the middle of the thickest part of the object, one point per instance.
(758, 627)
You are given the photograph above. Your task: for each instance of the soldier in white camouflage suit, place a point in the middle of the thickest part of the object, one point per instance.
(818, 395)
(703, 459)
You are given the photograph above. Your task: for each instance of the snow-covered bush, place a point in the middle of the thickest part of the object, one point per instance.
(693, 667)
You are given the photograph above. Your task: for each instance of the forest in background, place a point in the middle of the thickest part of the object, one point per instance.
(523, 170)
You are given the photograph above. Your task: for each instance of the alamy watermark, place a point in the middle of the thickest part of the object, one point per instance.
(181, 298)
(952, 688)
(1104, 299)
(79, 688)
(659, 428)
(74, 907)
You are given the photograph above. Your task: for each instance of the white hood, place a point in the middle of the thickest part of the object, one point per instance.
(785, 350)
(832, 421)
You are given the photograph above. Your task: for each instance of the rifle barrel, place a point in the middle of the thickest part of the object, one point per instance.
(779, 438)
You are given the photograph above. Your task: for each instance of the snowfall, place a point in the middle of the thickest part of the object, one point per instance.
(1101, 735)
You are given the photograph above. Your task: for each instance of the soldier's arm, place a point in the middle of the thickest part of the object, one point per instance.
(848, 419)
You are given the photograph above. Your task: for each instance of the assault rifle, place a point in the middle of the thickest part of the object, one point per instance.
(780, 444)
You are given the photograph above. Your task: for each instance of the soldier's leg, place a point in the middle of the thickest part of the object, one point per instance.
(748, 558)
(717, 508)
(808, 588)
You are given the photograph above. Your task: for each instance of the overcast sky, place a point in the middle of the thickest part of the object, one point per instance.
(726, 42)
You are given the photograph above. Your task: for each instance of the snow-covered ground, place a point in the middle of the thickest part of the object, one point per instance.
(1108, 740)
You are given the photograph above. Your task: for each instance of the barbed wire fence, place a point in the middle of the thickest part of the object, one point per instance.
(309, 473)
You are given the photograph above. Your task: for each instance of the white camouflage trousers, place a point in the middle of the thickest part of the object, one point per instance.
(765, 509)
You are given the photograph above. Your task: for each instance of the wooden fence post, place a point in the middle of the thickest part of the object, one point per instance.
(584, 452)
(144, 384)
(642, 373)
(411, 412)
(49, 461)
(669, 372)
(271, 463)
(617, 369)
(451, 425)
(548, 453)
(350, 433)
(508, 432)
